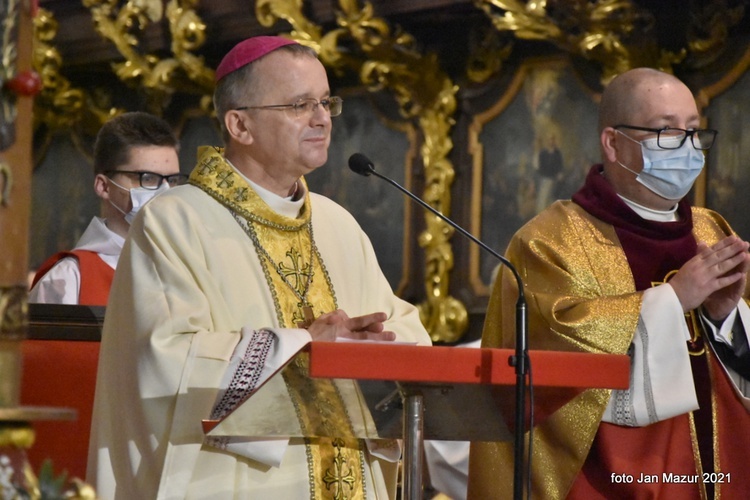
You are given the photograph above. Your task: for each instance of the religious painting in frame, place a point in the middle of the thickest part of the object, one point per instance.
(532, 147)
(195, 129)
(63, 200)
(382, 211)
(727, 175)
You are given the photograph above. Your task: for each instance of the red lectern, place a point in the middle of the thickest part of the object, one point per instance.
(468, 394)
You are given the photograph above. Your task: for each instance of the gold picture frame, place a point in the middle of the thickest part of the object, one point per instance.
(546, 106)
(725, 105)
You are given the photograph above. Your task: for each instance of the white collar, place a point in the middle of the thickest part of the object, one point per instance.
(100, 239)
(651, 214)
(283, 206)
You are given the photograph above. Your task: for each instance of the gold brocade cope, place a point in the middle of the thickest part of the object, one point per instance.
(296, 276)
(581, 296)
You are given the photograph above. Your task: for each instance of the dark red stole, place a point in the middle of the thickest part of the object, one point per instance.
(653, 249)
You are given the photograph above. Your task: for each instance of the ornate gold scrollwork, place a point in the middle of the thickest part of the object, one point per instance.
(609, 32)
(708, 32)
(386, 60)
(58, 105)
(188, 34)
(160, 78)
(487, 57)
(13, 313)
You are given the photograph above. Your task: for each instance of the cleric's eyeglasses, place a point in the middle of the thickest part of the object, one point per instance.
(305, 107)
(674, 138)
(151, 180)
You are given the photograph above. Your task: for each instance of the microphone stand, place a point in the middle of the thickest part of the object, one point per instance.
(519, 360)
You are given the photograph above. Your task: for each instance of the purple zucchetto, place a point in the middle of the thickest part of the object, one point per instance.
(248, 51)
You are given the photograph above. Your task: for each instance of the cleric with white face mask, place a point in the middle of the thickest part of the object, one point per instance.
(128, 187)
(135, 159)
(671, 163)
(127, 144)
(628, 266)
(151, 185)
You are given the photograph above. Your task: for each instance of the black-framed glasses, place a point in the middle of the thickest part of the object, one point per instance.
(305, 107)
(674, 138)
(151, 180)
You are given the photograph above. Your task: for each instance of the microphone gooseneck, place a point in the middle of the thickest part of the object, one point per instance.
(362, 165)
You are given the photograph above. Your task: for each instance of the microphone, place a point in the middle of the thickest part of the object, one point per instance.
(362, 165)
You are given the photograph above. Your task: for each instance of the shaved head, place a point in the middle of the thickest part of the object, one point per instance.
(623, 99)
(634, 106)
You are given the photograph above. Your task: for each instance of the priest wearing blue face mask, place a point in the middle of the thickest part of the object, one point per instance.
(629, 266)
(135, 159)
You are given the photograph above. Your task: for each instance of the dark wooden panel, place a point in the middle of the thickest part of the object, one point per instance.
(65, 322)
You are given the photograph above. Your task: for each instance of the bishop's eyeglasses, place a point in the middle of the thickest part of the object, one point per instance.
(674, 138)
(305, 107)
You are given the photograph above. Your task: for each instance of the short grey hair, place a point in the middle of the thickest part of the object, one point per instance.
(232, 90)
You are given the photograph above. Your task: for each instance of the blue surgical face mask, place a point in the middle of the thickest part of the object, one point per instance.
(138, 197)
(670, 173)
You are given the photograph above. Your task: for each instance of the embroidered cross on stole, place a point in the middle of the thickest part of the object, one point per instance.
(337, 464)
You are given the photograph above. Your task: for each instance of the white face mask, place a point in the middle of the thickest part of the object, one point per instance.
(138, 197)
(670, 173)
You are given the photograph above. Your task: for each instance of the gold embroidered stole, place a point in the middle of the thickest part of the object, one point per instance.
(296, 276)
